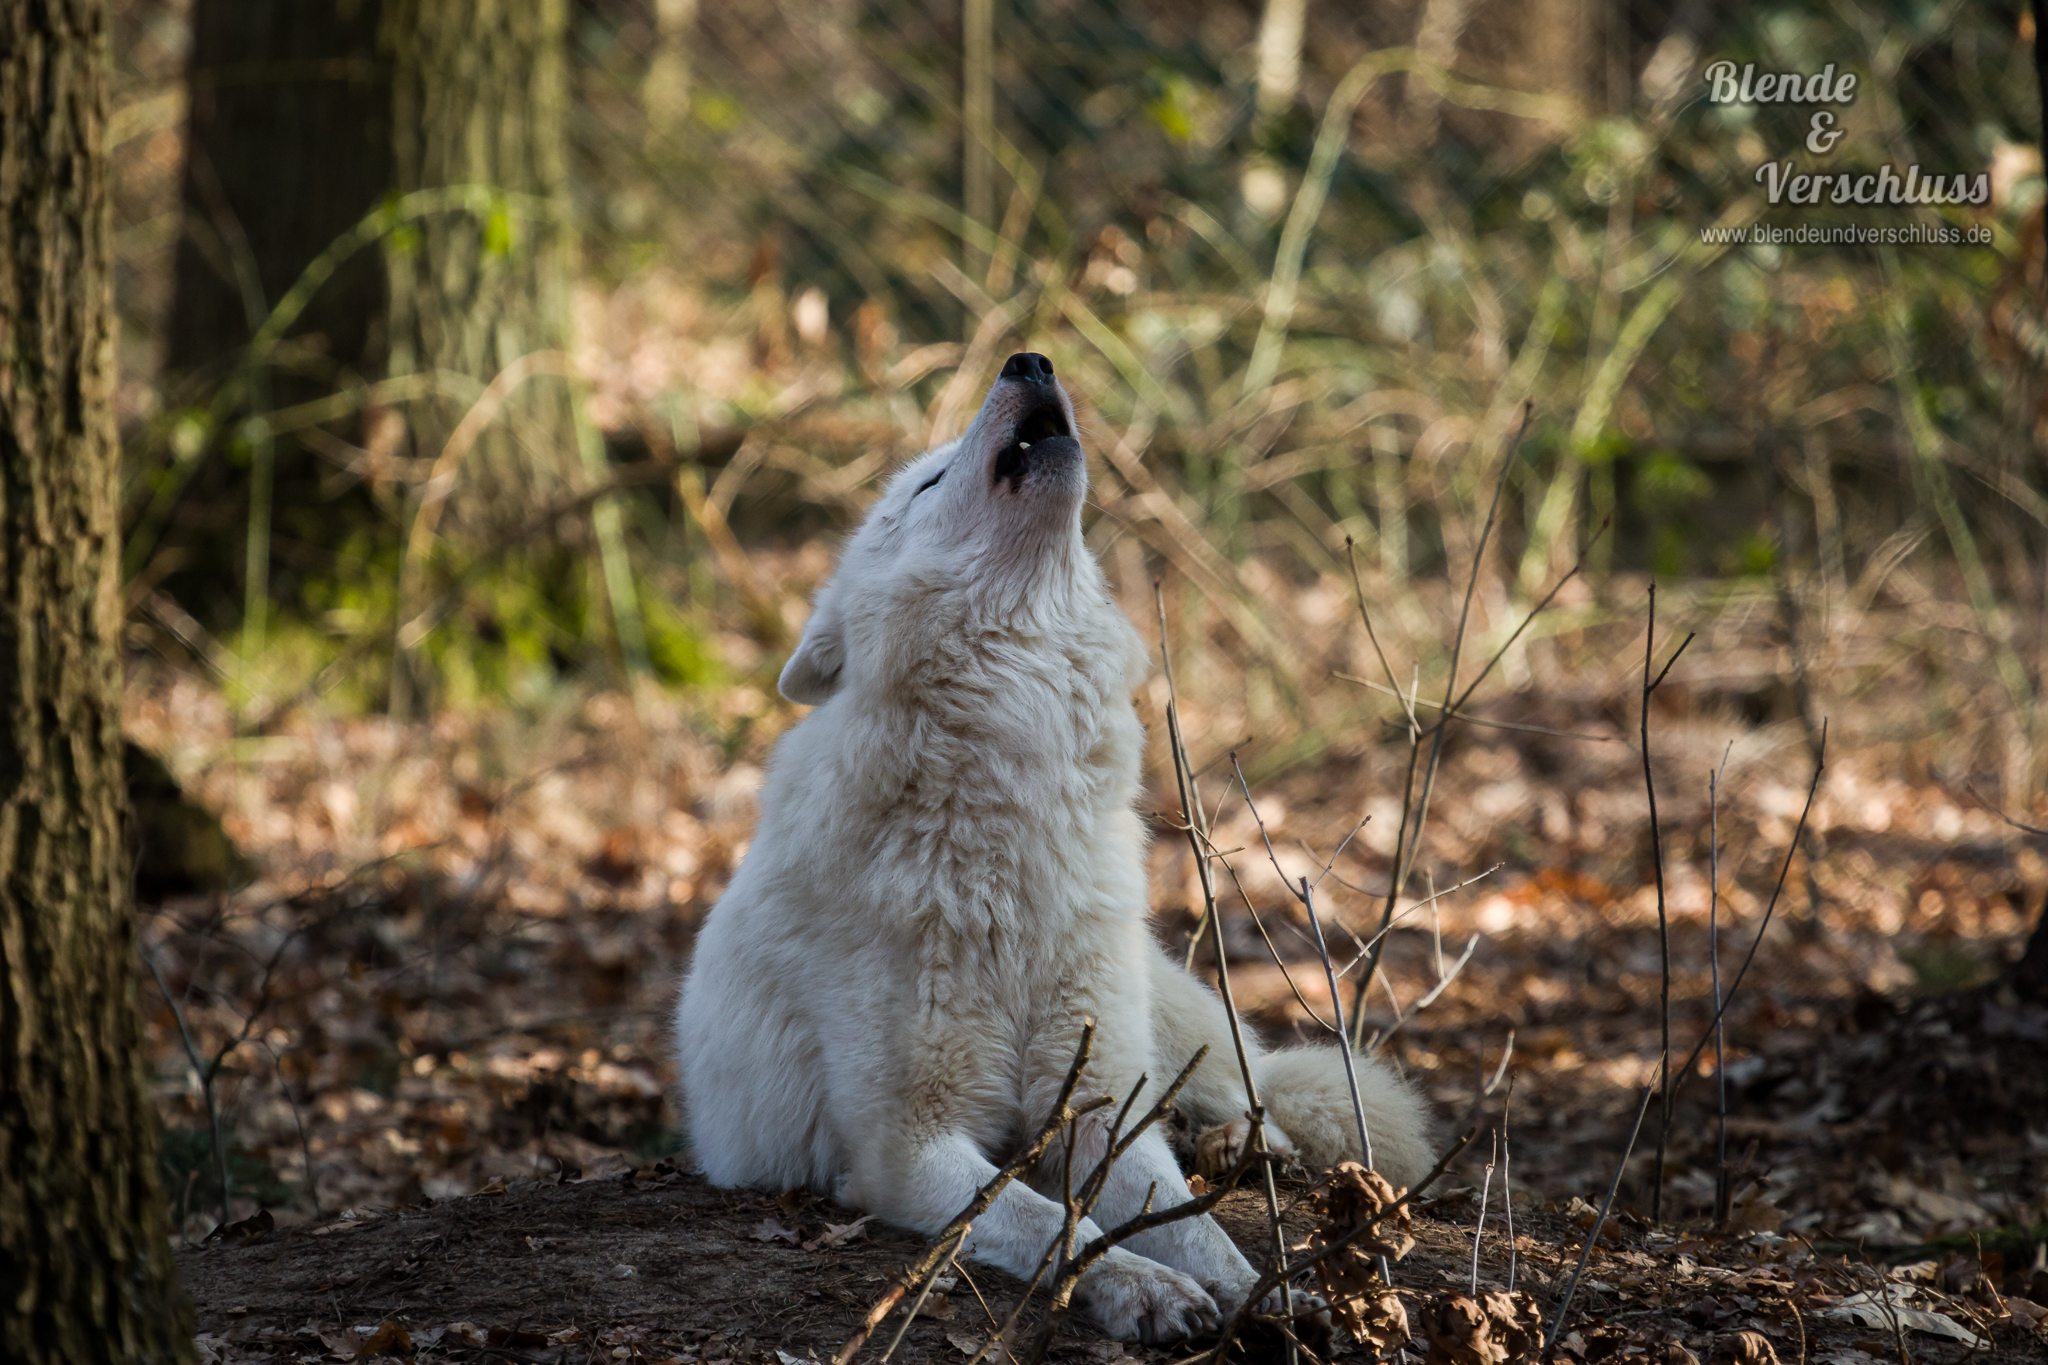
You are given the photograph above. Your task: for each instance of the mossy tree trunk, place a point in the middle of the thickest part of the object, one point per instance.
(85, 1267)
(479, 98)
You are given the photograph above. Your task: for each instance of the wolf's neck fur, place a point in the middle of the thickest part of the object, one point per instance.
(1012, 697)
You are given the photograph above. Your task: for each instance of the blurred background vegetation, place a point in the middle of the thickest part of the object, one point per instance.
(469, 348)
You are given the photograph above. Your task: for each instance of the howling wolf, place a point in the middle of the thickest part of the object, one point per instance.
(949, 878)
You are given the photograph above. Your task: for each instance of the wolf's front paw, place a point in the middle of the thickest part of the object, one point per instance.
(1218, 1149)
(1134, 1299)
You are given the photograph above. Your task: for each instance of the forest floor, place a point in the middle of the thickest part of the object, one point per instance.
(654, 1265)
(430, 1030)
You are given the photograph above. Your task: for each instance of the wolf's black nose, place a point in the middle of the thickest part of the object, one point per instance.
(1029, 366)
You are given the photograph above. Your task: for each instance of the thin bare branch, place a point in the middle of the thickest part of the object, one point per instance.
(1365, 615)
(1571, 1288)
(1714, 967)
(1507, 1182)
(1305, 893)
(1542, 605)
(1190, 807)
(1684, 1069)
(1479, 1228)
(2037, 831)
(1487, 722)
(1663, 914)
(204, 1075)
(1366, 950)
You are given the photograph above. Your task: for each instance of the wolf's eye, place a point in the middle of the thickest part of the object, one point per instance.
(929, 482)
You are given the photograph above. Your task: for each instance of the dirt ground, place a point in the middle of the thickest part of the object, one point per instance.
(655, 1265)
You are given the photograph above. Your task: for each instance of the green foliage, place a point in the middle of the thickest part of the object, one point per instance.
(190, 431)
(514, 627)
(1671, 549)
(1178, 106)
(1667, 483)
(1458, 265)
(497, 242)
(1940, 967)
(1606, 447)
(681, 646)
(716, 112)
(1754, 555)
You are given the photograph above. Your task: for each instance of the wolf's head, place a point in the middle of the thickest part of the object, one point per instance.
(982, 534)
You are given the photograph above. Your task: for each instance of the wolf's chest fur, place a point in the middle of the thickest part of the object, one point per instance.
(1008, 857)
(1009, 798)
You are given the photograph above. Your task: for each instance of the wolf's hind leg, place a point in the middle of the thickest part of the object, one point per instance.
(753, 1100)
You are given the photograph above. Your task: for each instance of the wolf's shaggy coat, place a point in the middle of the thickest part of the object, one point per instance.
(949, 877)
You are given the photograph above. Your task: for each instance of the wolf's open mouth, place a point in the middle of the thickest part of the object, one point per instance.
(1042, 423)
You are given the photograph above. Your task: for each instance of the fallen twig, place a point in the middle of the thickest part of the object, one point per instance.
(1571, 1288)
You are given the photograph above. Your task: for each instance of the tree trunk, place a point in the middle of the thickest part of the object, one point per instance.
(84, 1255)
(480, 98)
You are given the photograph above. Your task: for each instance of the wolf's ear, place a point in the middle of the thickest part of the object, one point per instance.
(812, 673)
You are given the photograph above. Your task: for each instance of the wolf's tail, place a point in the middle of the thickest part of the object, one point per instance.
(1305, 1092)
(1303, 1088)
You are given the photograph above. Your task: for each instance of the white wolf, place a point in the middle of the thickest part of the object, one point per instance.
(949, 877)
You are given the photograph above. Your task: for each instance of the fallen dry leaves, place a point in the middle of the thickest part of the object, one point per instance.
(1358, 1222)
(453, 973)
(1497, 1328)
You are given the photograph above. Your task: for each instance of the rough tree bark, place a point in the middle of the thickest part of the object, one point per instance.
(479, 98)
(84, 1252)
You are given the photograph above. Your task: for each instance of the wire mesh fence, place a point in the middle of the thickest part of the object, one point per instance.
(1306, 264)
